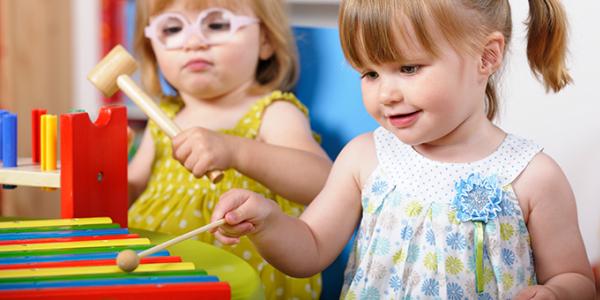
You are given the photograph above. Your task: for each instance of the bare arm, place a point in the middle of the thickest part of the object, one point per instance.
(284, 157)
(305, 246)
(548, 203)
(289, 161)
(140, 166)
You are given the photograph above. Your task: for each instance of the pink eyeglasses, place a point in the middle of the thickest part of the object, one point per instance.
(213, 26)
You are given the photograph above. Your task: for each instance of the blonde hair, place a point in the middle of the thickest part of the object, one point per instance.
(280, 71)
(367, 33)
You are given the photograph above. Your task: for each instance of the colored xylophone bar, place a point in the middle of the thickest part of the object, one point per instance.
(75, 259)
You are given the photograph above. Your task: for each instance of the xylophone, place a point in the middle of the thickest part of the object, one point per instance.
(75, 259)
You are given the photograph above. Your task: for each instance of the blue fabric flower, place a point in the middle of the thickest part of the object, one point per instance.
(477, 198)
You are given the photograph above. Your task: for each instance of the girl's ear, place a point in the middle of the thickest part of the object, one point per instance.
(493, 53)
(266, 49)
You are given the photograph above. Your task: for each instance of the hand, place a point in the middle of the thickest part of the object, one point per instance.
(536, 292)
(201, 150)
(245, 212)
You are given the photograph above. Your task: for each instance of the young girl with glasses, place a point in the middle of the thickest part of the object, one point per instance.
(231, 64)
(447, 204)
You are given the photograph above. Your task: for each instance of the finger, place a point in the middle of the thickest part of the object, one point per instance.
(200, 167)
(181, 151)
(225, 239)
(181, 137)
(191, 160)
(228, 202)
(236, 230)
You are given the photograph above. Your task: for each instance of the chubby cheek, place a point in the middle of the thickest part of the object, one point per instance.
(438, 97)
(167, 64)
(372, 106)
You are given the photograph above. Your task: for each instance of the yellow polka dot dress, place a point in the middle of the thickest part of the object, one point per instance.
(176, 202)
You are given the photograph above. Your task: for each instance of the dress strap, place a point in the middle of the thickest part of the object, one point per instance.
(517, 153)
(249, 125)
(170, 106)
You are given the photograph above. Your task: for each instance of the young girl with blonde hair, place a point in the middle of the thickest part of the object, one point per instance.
(447, 204)
(231, 64)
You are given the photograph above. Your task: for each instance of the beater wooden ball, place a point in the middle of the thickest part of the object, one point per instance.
(128, 260)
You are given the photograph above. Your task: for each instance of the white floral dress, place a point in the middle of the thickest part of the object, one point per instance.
(434, 230)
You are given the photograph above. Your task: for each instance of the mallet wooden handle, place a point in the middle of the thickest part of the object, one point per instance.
(149, 107)
(180, 238)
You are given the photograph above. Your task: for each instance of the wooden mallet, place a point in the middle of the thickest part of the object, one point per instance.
(128, 260)
(112, 73)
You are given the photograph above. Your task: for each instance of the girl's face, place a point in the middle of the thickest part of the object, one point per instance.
(204, 70)
(426, 99)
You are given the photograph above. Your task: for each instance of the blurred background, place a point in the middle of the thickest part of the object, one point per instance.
(48, 47)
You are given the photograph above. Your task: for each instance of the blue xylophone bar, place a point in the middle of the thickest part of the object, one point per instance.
(108, 282)
(68, 257)
(61, 234)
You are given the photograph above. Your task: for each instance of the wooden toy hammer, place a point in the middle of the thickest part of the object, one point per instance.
(112, 73)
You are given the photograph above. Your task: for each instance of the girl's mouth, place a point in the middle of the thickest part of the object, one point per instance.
(197, 65)
(404, 120)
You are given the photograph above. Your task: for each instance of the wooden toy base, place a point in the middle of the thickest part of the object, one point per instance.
(29, 174)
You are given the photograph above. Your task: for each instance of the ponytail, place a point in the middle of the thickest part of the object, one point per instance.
(547, 43)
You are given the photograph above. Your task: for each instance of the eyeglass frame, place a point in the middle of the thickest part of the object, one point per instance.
(237, 22)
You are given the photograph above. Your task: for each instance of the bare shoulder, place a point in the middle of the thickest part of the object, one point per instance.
(543, 183)
(360, 156)
(283, 120)
(282, 113)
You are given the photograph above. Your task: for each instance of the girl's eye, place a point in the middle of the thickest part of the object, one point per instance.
(409, 69)
(170, 30)
(219, 26)
(370, 75)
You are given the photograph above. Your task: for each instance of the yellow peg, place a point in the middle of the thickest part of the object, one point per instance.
(43, 142)
(50, 147)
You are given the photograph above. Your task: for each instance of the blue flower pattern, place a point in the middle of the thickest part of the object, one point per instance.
(431, 287)
(455, 291)
(456, 241)
(429, 253)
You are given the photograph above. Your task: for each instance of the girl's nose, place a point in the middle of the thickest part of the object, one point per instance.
(194, 41)
(390, 92)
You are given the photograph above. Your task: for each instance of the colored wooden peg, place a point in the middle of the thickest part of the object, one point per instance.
(43, 142)
(9, 140)
(2, 113)
(35, 134)
(48, 142)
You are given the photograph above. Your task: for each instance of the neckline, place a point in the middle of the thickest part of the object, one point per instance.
(420, 157)
(178, 103)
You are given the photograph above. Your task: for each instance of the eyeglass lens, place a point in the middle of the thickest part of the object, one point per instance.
(215, 27)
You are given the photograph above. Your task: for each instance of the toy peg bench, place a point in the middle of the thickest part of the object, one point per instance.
(92, 173)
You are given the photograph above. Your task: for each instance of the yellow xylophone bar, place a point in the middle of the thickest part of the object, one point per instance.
(159, 267)
(75, 245)
(55, 222)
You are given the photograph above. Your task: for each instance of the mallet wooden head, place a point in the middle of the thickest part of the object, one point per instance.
(104, 75)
